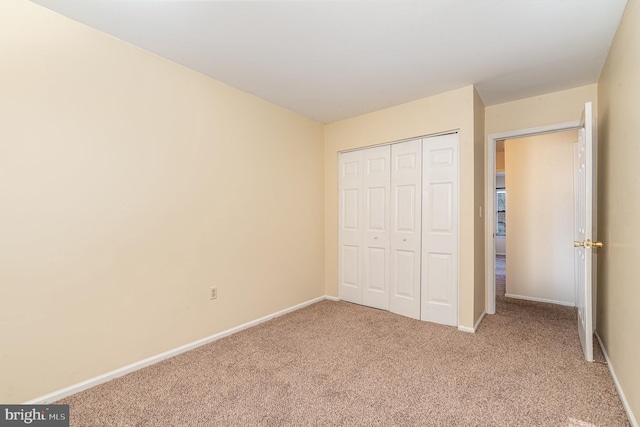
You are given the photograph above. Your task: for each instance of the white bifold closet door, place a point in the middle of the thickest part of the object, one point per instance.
(364, 227)
(375, 259)
(350, 226)
(398, 228)
(406, 181)
(440, 230)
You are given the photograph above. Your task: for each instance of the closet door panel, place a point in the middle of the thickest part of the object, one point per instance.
(438, 276)
(350, 226)
(406, 214)
(375, 272)
(440, 189)
(405, 266)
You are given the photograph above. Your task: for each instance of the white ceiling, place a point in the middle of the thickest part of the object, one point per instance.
(330, 60)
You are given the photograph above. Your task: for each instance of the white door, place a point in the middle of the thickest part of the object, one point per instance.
(440, 201)
(583, 230)
(375, 265)
(350, 226)
(406, 176)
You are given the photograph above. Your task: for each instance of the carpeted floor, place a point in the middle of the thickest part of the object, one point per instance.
(335, 363)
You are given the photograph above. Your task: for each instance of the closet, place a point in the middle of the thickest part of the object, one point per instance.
(398, 228)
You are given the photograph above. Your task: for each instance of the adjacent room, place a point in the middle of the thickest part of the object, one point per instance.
(321, 213)
(501, 223)
(539, 208)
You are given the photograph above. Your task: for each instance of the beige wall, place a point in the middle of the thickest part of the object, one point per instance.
(619, 205)
(501, 245)
(478, 177)
(556, 107)
(539, 179)
(500, 161)
(129, 185)
(448, 111)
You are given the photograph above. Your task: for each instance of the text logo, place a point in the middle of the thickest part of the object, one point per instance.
(34, 415)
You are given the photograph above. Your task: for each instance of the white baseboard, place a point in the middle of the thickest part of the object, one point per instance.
(92, 382)
(625, 403)
(548, 301)
(330, 298)
(475, 327)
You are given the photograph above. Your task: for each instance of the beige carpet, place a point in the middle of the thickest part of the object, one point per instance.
(334, 363)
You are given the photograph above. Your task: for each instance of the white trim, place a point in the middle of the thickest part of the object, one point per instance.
(623, 398)
(490, 188)
(92, 382)
(475, 327)
(331, 298)
(382, 144)
(458, 231)
(548, 301)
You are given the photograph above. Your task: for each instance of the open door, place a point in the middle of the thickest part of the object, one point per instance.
(583, 229)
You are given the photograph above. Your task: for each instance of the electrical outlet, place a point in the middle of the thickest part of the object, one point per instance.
(213, 292)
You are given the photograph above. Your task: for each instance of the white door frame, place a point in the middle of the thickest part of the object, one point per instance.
(490, 191)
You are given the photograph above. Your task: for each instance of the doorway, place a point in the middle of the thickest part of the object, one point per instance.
(490, 191)
(537, 249)
(501, 222)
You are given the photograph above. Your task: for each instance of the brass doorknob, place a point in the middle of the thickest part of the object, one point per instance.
(588, 244)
